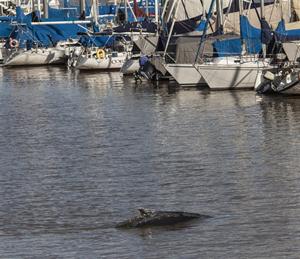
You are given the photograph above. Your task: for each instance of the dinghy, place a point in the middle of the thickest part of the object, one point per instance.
(285, 81)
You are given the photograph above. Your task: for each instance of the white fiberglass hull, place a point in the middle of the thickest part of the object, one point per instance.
(35, 57)
(108, 63)
(185, 74)
(130, 66)
(231, 76)
(292, 50)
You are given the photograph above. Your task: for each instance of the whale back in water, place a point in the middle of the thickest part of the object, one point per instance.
(159, 218)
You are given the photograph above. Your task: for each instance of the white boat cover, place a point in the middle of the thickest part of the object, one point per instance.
(186, 9)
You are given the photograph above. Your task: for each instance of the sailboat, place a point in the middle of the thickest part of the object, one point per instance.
(241, 68)
(241, 71)
(132, 64)
(284, 77)
(38, 41)
(109, 54)
(113, 53)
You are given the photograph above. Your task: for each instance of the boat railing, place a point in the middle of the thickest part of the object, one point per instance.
(229, 58)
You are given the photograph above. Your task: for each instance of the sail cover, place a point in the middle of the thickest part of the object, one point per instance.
(250, 35)
(5, 28)
(296, 7)
(183, 9)
(287, 32)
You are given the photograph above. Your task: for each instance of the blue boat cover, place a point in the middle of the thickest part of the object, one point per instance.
(42, 35)
(5, 29)
(228, 47)
(251, 36)
(284, 35)
(97, 41)
(266, 32)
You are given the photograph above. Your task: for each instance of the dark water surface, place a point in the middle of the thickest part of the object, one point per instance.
(80, 152)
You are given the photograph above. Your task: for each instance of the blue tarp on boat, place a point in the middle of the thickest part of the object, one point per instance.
(42, 35)
(228, 47)
(284, 35)
(5, 29)
(250, 35)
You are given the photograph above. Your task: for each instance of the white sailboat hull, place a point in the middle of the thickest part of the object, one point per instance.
(108, 63)
(292, 50)
(185, 74)
(231, 76)
(130, 66)
(35, 57)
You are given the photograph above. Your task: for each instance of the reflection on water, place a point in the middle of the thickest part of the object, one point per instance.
(80, 152)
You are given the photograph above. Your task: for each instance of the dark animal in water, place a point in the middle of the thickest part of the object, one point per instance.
(148, 217)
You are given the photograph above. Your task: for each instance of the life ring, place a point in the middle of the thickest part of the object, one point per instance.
(13, 43)
(100, 53)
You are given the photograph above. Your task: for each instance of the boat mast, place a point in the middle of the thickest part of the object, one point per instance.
(171, 10)
(172, 27)
(147, 8)
(131, 10)
(82, 6)
(241, 9)
(164, 8)
(156, 11)
(45, 7)
(203, 9)
(281, 9)
(95, 12)
(262, 9)
(125, 10)
(202, 39)
(32, 6)
(39, 6)
(262, 14)
(289, 10)
(220, 19)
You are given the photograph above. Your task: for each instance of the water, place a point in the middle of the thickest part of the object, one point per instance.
(80, 152)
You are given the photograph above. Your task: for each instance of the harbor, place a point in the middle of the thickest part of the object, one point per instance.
(148, 129)
(80, 153)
